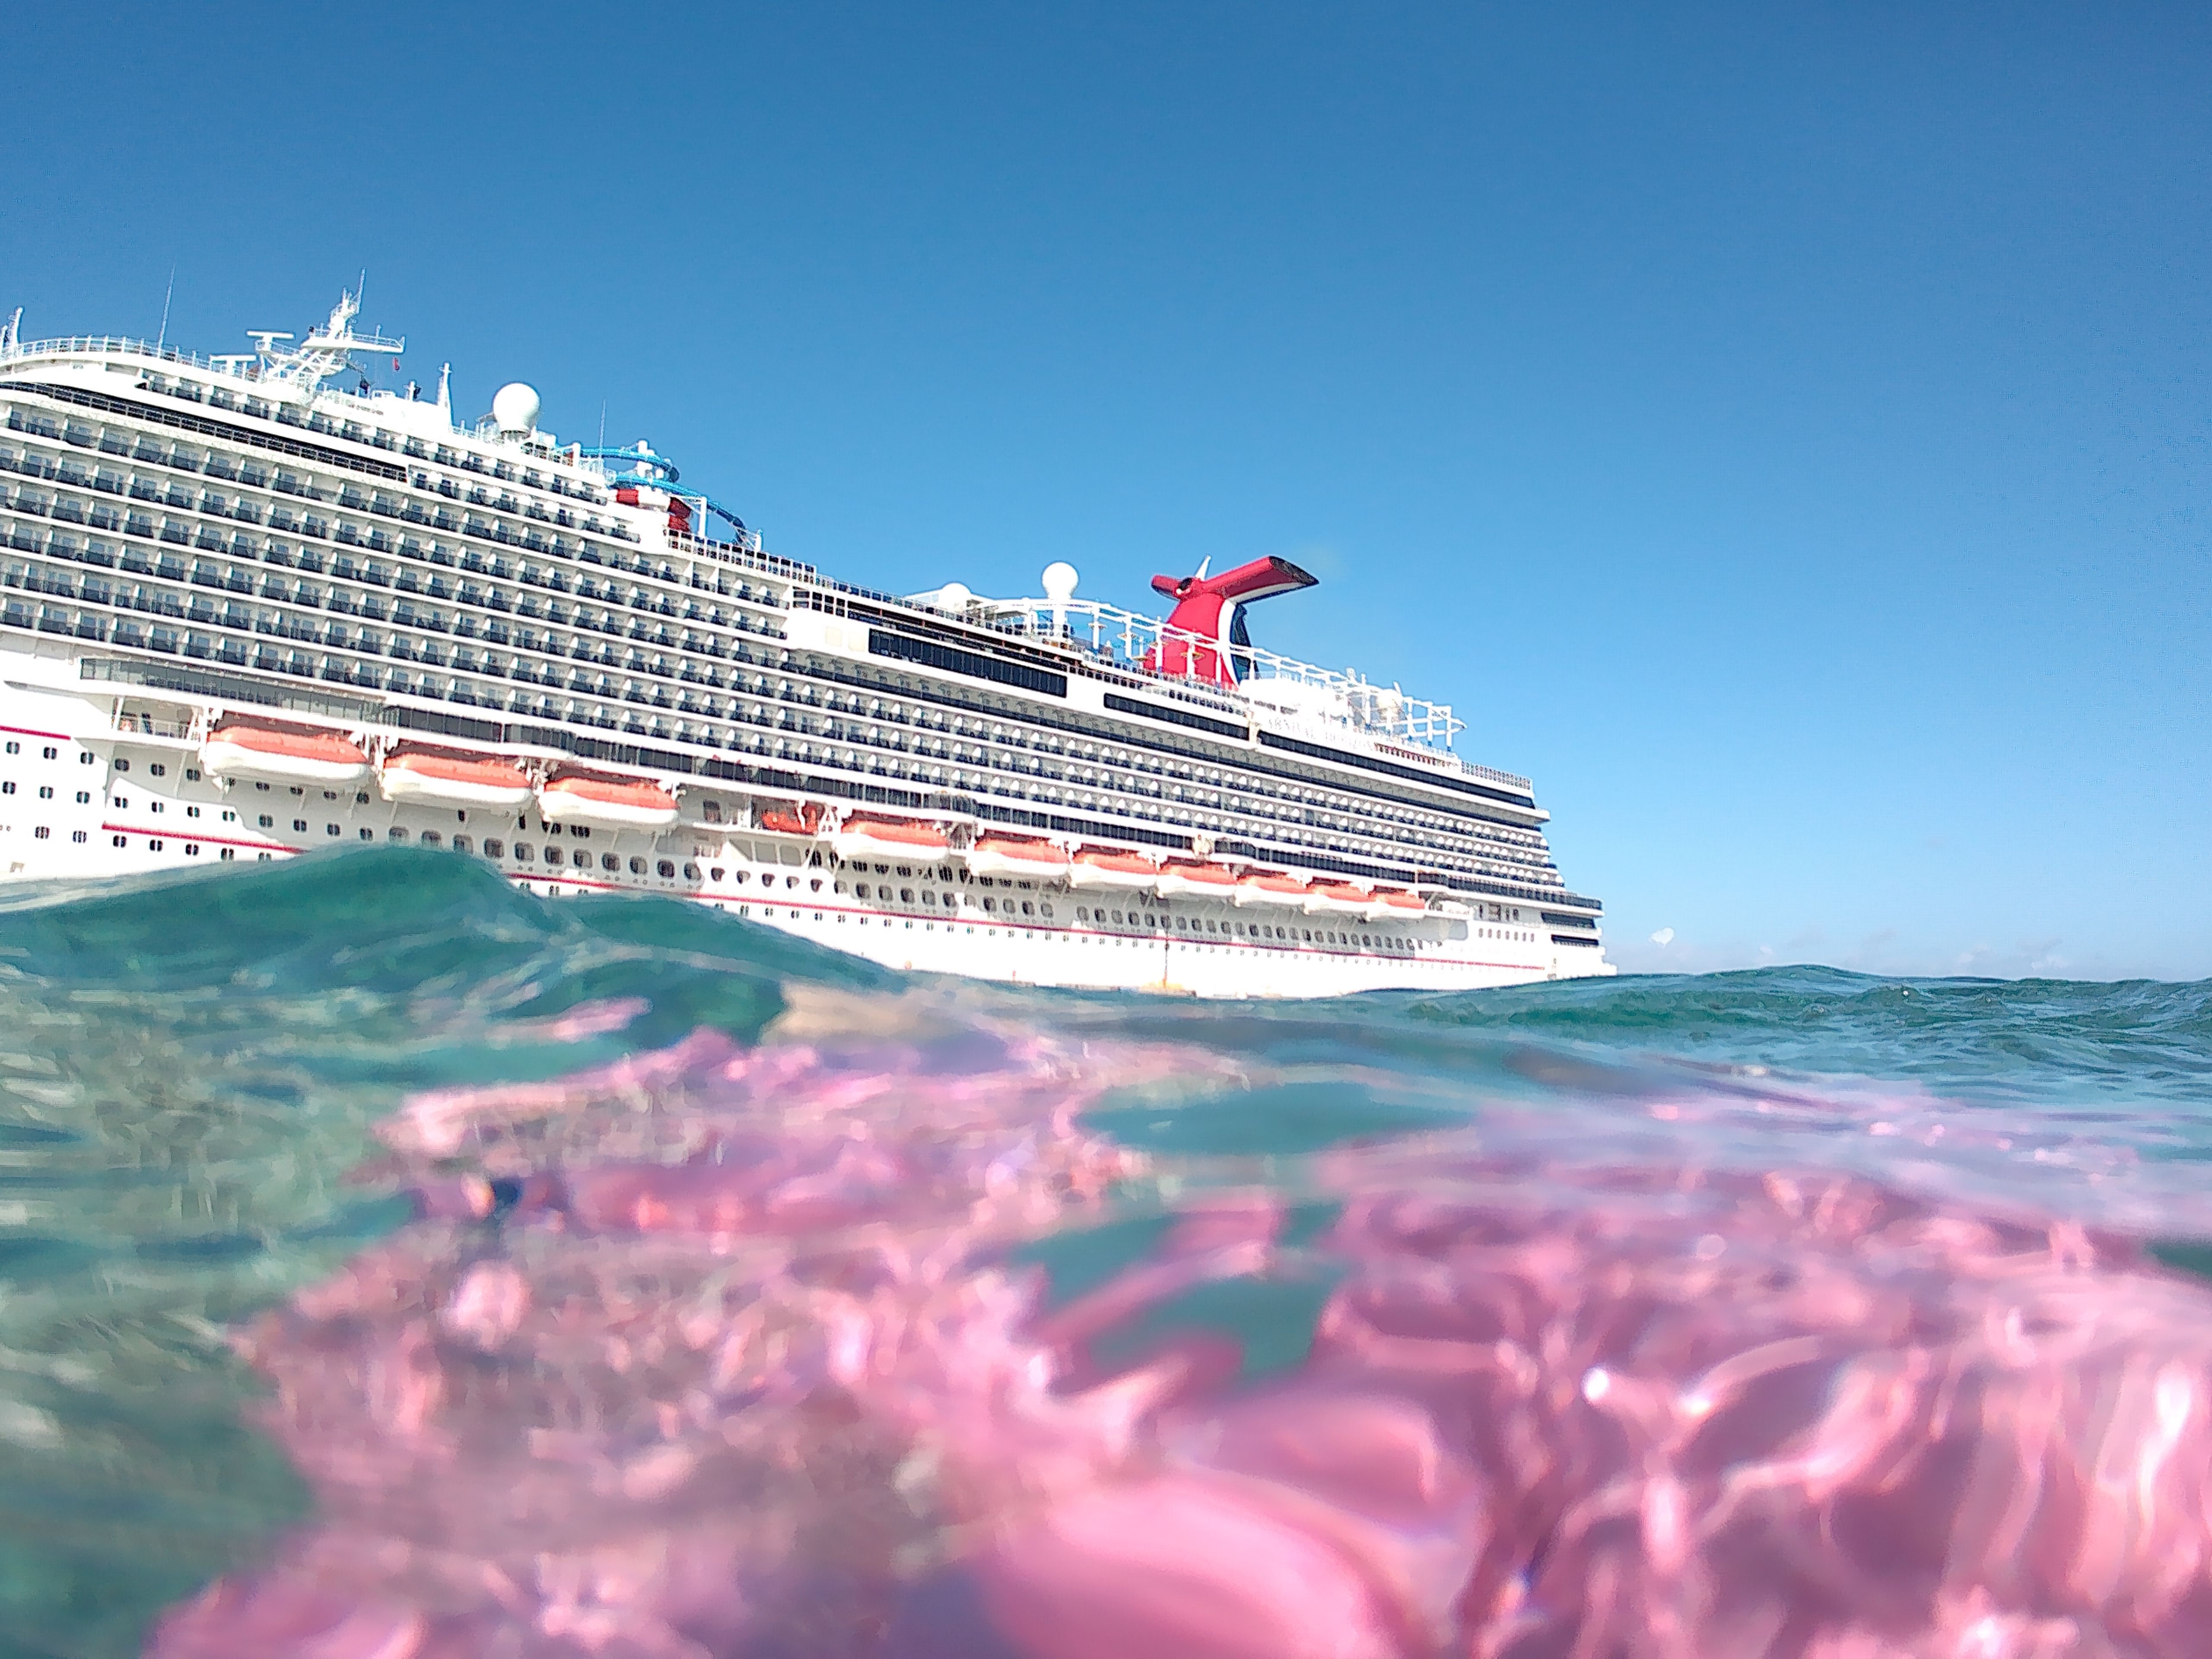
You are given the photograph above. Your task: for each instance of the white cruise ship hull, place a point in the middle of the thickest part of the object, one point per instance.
(149, 804)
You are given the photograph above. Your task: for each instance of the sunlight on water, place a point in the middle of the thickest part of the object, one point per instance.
(393, 1264)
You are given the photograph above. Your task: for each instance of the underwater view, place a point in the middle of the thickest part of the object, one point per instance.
(398, 1265)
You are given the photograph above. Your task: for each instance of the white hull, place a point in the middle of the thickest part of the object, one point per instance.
(149, 806)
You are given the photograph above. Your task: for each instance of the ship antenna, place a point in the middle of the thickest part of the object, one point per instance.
(162, 338)
(13, 331)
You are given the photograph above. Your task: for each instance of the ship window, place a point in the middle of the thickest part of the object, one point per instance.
(300, 826)
(1082, 913)
(714, 872)
(609, 862)
(394, 833)
(990, 904)
(461, 844)
(494, 849)
(1044, 909)
(691, 873)
(1028, 909)
(666, 869)
(906, 895)
(121, 841)
(368, 835)
(580, 859)
(523, 853)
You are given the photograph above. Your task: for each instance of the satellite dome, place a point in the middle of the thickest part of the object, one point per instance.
(1059, 581)
(515, 408)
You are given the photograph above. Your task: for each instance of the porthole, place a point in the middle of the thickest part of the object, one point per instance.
(431, 838)
(156, 768)
(714, 872)
(121, 765)
(85, 759)
(153, 846)
(368, 835)
(666, 870)
(395, 833)
(523, 853)
(191, 849)
(121, 841)
(227, 853)
(52, 754)
(300, 826)
(612, 865)
(79, 836)
(636, 865)
(580, 858)
(330, 829)
(494, 849)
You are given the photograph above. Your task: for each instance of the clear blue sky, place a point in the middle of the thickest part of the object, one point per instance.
(1781, 431)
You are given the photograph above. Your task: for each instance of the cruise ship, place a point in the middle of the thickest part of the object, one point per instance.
(257, 605)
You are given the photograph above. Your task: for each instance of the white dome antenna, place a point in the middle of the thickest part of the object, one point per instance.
(1060, 580)
(515, 408)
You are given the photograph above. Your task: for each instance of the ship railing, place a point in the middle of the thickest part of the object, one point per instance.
(746, 554)
(122, 345)
(1189, 667)
(1298, 690)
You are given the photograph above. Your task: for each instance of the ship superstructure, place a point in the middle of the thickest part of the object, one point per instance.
(247, 613)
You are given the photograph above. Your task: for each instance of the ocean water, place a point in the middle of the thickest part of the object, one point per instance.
(393, 1264)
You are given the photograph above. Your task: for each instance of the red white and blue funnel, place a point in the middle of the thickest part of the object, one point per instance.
(1212, 609)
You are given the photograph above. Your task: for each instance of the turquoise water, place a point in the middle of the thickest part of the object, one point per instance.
(193, 1073)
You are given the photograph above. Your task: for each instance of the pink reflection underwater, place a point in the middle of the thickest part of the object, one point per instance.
(717, 1351)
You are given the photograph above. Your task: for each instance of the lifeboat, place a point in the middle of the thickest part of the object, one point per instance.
(1191, 879)
(1096, 867)
(1271, 887)
(864, 838)
(1336, 899)
(792, 819)
(270, 752)
(616, 804)
(1392, 904)
(460, 780)
(1010, 856)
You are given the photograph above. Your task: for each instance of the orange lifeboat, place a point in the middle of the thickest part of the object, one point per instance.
(865, 838)
(1194, 879)
(795, 819)
(1272, 887)
(460, 780)
(1100, 867)
(239, 750)
(1017, 856)
(1393, 904)
(1336, 899)
(616, 803)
